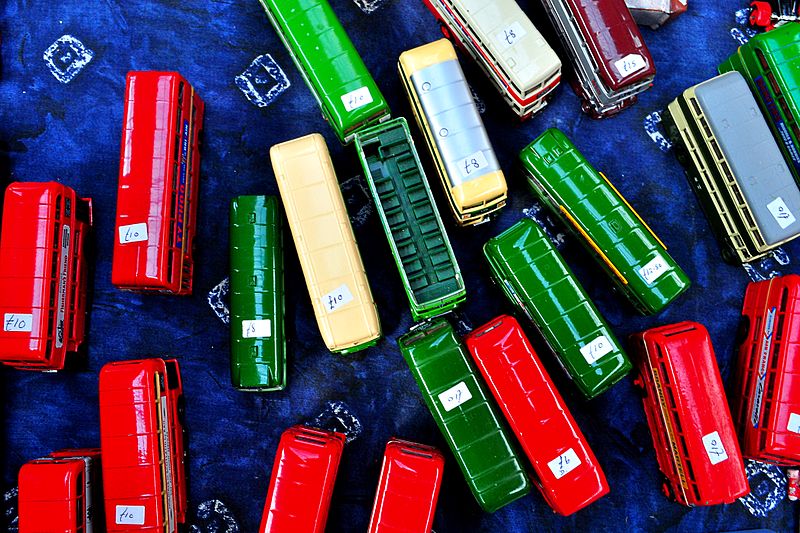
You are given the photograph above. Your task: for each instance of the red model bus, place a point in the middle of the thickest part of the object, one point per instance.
(142, 435)
(408, 488)
(566, 470)
(766, 402)
(302, 480)
(158, 179)
(57, 493)
(689, 420)
(43, 274)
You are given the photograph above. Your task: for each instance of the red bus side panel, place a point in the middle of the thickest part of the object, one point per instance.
(50, 496)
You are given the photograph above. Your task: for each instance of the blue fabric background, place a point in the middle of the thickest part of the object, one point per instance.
(71, 132)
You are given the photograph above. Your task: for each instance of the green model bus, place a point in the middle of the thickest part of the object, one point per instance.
(258, 343)
(464, 413)
(535, 278)
(418, 240)
(770, 63)
(610, 229)
(329, 63)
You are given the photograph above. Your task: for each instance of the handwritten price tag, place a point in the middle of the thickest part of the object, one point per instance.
(781, 213)
(256, 329)
(358, 98)
(564, 463)
(714, 448)
(654, 269)
(133, 233)
(630, 64)
(510, 35)
(455, 396)
(596, 349)
(472, 164)
(132, 515)
(18, 322)
(794, 423)
(338, 297)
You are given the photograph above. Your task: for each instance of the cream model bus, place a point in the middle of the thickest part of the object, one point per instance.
(446, 113)
(343, 305)
(506, 45)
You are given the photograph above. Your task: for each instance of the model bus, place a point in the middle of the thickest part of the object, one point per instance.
(464, 413)
(566, 471)
(446, 113)
(337, 283)
(158, 184)
(258, 342)
(735, 167)
(329, 63)
(769, 63)
(611, 61)
(765, 403)
(419, 242)
(142, 439)
(44, 274)
(57, 493)
(534, 277)
(604, 222)
(302, 480)
(506, 45)
(408, 489)
(686, 409)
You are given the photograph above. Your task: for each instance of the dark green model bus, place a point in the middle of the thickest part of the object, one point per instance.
(329, 63)
(465, 414)
(535, 278)
(258, 344)
(770, 63)
(616, 236)
(418, 240)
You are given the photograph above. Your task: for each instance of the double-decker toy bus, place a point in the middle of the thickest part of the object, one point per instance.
(534, 277)
(566, 471)
(735, 167)
(506, 45)
(142, 439)
(770, 63)
(302, 480)
(765, 402)
(337, 283)
(59, 492)
(604, 222)
(44, 274)
(688, 415)
(329, 63)
(611, 61)
(464, 413)
(258, 343)
(442, 103)
(419, 243)
(408, 489)
(159, 175)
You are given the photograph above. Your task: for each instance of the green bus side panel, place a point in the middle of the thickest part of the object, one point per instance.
(535, 278)
(560, 176)
(466, 417)
(258, 344)
(419, 242)
(335, 73)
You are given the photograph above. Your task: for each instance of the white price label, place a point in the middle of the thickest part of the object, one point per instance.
(455, 396)
(358, 98)
(18, 322)
(472, 164)
(255, 329)
(714, 448)
(564, 463)
(131, 515)
(510, 35)
(338, 297)
(596, 349)
(630, 64)
(794, 423)
(654, 269)
(781, 213)
(133, 233)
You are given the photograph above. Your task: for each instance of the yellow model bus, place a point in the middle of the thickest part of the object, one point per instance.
(346, 313)
(445, 110)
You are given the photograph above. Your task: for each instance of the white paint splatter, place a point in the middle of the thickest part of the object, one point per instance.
(651, 126)
(478, 102)
(537, 213)
(358, 200)
(369, 6)
(217, 298)
(66, 58)
(263, 81)
(215, 517)
(767, 488)
(767, 267)
(337, 417)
